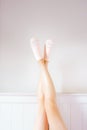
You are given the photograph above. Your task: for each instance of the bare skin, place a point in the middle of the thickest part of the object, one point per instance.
(41, 120)
(48, 117)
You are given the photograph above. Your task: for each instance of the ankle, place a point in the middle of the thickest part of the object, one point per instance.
(46, 62)
(41, 62)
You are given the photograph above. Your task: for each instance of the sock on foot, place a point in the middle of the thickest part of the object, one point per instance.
(36, 48)
(48, 46)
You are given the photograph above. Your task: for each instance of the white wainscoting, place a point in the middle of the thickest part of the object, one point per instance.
(18, 111)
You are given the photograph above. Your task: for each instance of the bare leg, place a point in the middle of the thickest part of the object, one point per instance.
(49, 89)
(41, 120)
(54, 118)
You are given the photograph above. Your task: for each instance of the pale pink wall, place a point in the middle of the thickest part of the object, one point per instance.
(63, 21)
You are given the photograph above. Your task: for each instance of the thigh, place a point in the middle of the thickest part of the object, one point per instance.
(54, 117)
(41, 120)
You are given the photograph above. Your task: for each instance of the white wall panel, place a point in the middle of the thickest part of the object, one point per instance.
(19, 112)
(29, 115)
(75, 117)
(84, 117)
(16, 116)
(5, 116)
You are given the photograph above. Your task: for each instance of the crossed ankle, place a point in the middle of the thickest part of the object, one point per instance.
(41, 61)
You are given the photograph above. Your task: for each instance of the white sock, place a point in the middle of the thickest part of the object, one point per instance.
(48, 44)
(36, 48)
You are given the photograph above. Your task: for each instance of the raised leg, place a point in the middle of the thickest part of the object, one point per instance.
(41, 119)
(53, 115)
(48, 87)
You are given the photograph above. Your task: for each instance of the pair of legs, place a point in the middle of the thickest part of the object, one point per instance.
(48, 117)
(48, 114)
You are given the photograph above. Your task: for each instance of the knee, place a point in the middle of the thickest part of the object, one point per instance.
(50, 104)
(49, 100)
(41, 99)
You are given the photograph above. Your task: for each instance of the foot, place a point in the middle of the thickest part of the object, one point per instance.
(36, 48)
(47, 48)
